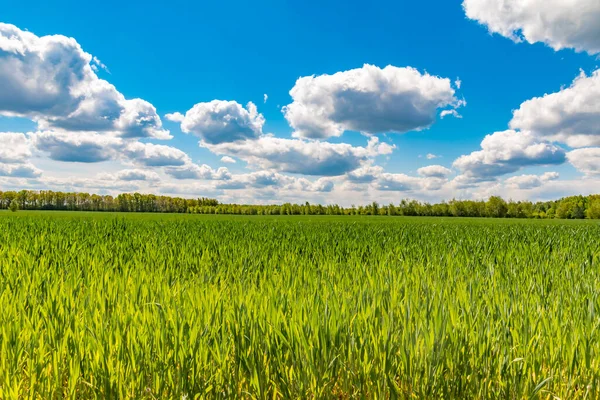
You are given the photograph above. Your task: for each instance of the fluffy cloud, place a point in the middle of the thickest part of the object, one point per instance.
(102, 184)
(19, 170)
(222, 121)
(558, 23)
(155, 155)
(365, 174)
(14, 147)
(406, 183)
(434, 171)
(432, 178)
(227, 159)
(302, 157)
(505, 152)
(175, 117)
(50, 80)
(76, 146)
(194, 171)
(369, 100)
(530, 181)
(571, 116)
(586, 160)
(397, 182)
(265, 179)
(129, 175)
(15, 150)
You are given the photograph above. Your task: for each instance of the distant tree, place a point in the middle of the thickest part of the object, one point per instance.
(14, 205)
(567, 207)
(593, 209)
(496, 207)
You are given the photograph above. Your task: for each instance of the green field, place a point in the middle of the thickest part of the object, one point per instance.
(100, 305)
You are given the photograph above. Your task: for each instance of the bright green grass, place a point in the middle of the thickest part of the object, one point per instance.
(168, 306)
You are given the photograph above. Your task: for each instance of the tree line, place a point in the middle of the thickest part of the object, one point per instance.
(573, 207)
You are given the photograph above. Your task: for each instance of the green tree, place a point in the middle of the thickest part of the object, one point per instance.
(593, 208)
(496, 207)
(14, 205)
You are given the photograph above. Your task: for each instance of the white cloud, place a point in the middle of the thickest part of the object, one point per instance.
(434, 171)
(194, 171)
(530, 181)
(454, 113)
(19, 170)
(369, 100)
(431, 156)
(96, 63)
(227, 159)
(586, 160)
(302, 157)
(265, 98)
(406, 183)
(101, 184)
(175, 117)
(570, 116)
(155, 155)
(223, 121)
(432, 178)
(271, 179)
(84, 147)
(365, 174)
(505, 152)
(128, 175)
(559, 24)
(50, 80)
(14, 147)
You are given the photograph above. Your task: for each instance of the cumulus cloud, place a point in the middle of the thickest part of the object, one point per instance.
(83, 147)
(175, 117)
(194, 171)
(50, 80)
(89, 184)
(559, 24)
(221, 121)
(397, 182)
(15, 150)
(302, 157)
(406, 183)
(14, 147)
(586, 160)
(265, 98)
(271, 179)
(128, 175)
(505, 152)
(25, 170)
(570, 116)
(155, 155)
(365, 174)
(227, 159)
(434, 171)
(530, 181)
(368, 99)
(431, 178)
(431, 156)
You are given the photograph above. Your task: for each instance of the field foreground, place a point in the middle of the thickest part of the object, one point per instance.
(180, 306)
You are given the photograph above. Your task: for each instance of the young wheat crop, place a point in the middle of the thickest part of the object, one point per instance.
(181, 306)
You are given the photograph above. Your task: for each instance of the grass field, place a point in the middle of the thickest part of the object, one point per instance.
(180, 306)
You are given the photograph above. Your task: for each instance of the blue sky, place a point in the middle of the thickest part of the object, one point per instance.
(180, 54)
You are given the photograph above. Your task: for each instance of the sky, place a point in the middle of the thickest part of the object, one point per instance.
(327, 102)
